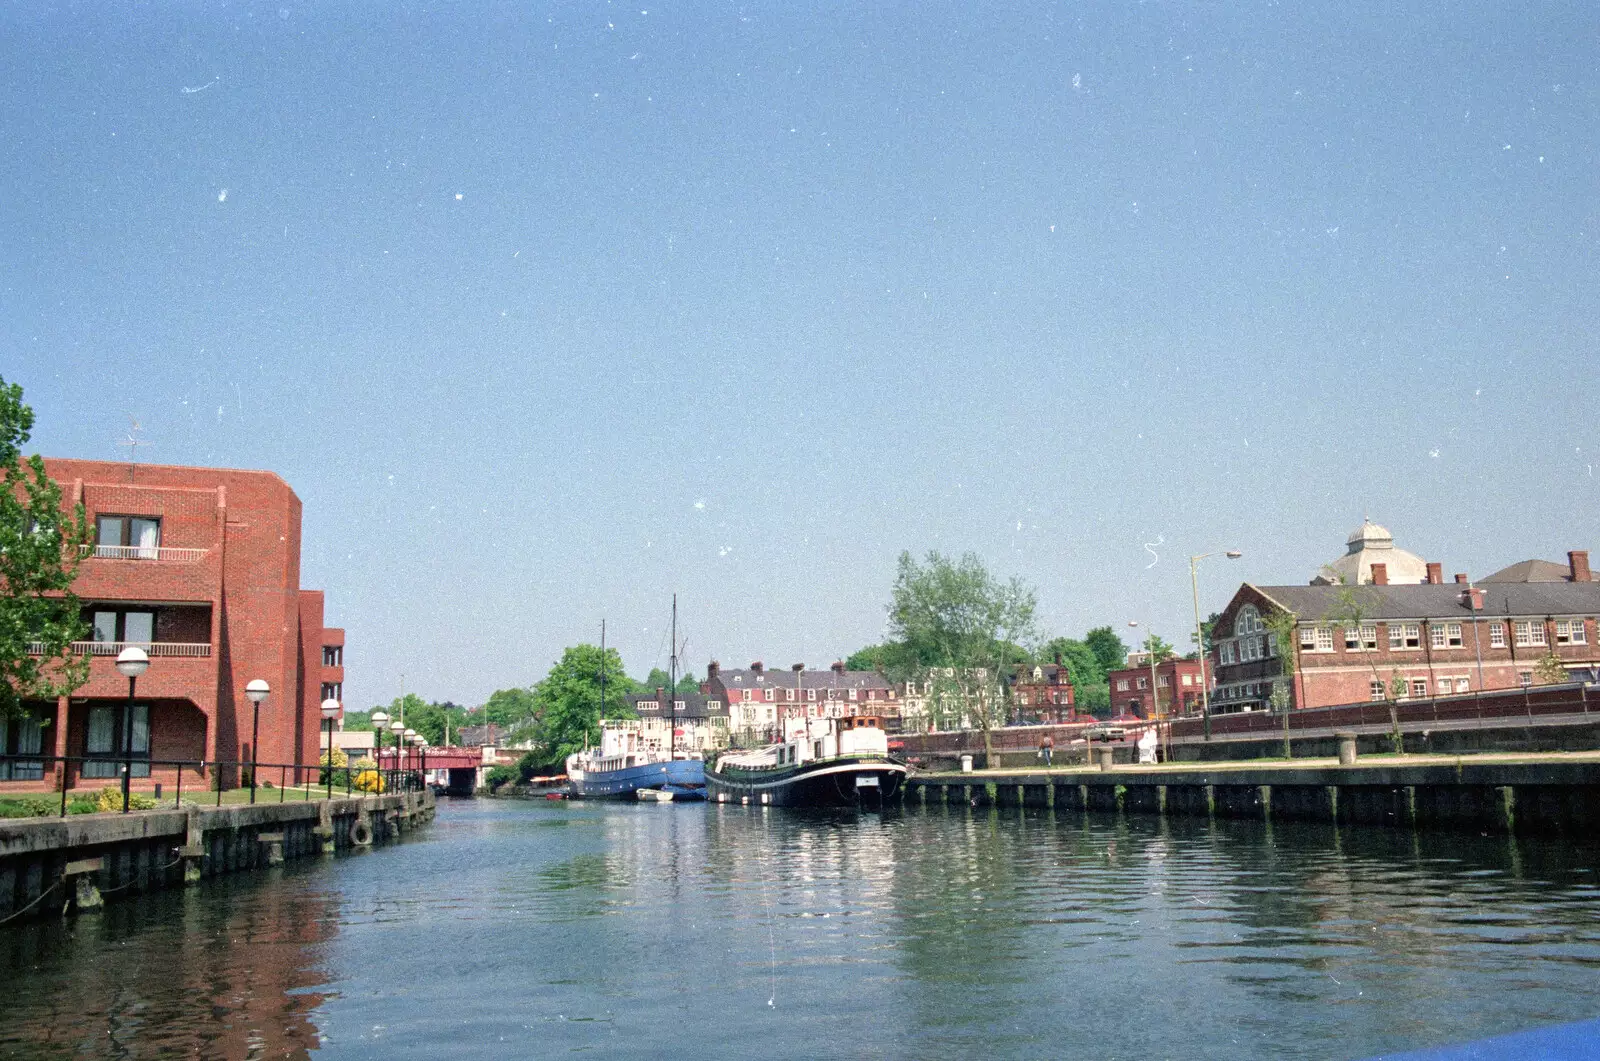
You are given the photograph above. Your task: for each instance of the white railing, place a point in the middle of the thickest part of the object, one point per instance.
(186, 649)
(143, 552)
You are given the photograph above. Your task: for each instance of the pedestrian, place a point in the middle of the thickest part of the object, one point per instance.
(1047, 747)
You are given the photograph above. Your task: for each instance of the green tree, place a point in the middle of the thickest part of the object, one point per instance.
(40, 548)
(1083, 670)
(432, 719)
(507, 708)
(1207, 632)
(1550, 670)
(1107, 648)
(358, 721)
(658, 679)
(567, 702)
(1352, 608)
(954, 615)
(1281, 629)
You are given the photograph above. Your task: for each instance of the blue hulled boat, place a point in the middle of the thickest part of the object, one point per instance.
(620, 767)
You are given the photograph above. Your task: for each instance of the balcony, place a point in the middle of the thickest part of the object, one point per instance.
(144, 552)
(182, 649)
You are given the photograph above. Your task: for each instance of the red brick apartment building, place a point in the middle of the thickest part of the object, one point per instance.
(1433, 638)
(1043, 691)
(759, 700)
(1177, 690)
(200, 567)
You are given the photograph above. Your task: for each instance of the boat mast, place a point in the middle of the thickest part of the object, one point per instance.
(602, 680)
(672, 690)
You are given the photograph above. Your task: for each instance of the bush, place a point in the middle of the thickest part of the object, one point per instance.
(30, 807)
(500, 775)
(334, 761)
(82, 806)
(367, 781)
(110, 799)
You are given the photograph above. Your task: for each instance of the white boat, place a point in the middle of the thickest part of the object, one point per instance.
(825, 762)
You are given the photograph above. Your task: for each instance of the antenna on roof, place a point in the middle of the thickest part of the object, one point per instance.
(133, 442)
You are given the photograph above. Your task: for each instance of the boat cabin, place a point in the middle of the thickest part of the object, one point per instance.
(619, 748)
(826, 738)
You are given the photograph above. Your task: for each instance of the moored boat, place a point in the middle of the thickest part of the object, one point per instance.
(620, 767)
(825, 762)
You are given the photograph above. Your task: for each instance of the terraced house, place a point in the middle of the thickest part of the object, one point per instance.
(1376, 640)
(200, 568)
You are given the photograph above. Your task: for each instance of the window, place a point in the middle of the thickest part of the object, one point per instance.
(1525, 677)
(1404, 635)
(104, 736)
(1452, 635)
(1144, 683)
(124, 627)
(333, 655)
(788, 694)
(1419, 687)
(1463, 685)
(1164, 680)
(1375, 690)
(1529, 632)
(1369, 637)
(1308, 639)
(1570, 632)
(127, 537)
(1248, 621)
(772, 694)
(1435, 635)
(746, 698)
(1188, 679)
(333, 690)
(1352, 639)
(21, 736)
(911, 688)
(1122, 685)
(872, 694)
(1497, 635)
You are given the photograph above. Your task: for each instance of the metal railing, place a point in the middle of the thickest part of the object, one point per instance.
(212, 777)
(144, 552)
(184, 649)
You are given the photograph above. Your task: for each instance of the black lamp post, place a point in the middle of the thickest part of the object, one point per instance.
(380, 722)
(398, 728)
(330, 711)
(131, 663)
(257, 691)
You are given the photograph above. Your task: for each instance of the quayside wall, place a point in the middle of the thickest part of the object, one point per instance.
(1524, 798)
(51, 866)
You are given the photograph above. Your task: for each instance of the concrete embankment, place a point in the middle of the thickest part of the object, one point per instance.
(53, 865)
(1521, 795)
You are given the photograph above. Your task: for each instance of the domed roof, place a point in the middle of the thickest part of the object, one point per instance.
(1371, 544)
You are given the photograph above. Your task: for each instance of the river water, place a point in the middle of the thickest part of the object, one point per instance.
(691, 931)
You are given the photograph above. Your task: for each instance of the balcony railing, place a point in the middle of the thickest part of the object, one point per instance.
(186, 649)
(144, 552)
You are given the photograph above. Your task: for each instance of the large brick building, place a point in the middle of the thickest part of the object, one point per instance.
(201, 568)
(758, 701)
(1358, 642)
(1177, 688)
(1043, 692)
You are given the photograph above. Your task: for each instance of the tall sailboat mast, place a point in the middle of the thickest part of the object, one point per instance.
(602, 679)
(672, 689)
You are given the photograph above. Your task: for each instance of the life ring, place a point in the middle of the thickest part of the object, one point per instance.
(361, 832)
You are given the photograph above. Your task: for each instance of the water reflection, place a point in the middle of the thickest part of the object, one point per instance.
(946, 932)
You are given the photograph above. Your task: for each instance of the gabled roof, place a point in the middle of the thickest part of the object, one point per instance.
(1531, 571)
(1438, 601)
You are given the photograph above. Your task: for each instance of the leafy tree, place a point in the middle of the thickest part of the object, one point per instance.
(893, 659)
(1207, 632)
(358, 721)
(507, 708)
(658, 679)
(955, 616)
(431, 719)
(1550, 670)
(1162, 650)
(1094, 699)
(1107, 648)
(40, 548)
(1083, 670)
(567, 702)
(1281, 626)
(1352, 609)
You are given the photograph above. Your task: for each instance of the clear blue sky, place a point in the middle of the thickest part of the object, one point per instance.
(549, 311)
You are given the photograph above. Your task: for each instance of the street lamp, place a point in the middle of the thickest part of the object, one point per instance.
(257, 691)
(380, 722)
(411, 739)
(1199, 637)
(398, 728)
(330, 711)
(131, 663)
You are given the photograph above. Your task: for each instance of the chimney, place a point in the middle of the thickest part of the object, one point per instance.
(1473, 598)
(838, 666)
(1435, 574)
(1578, 561)
(758, 666)
(712, 670)
(1461, 578)
(1380, 574)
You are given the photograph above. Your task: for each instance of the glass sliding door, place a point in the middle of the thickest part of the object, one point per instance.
(103, 739)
